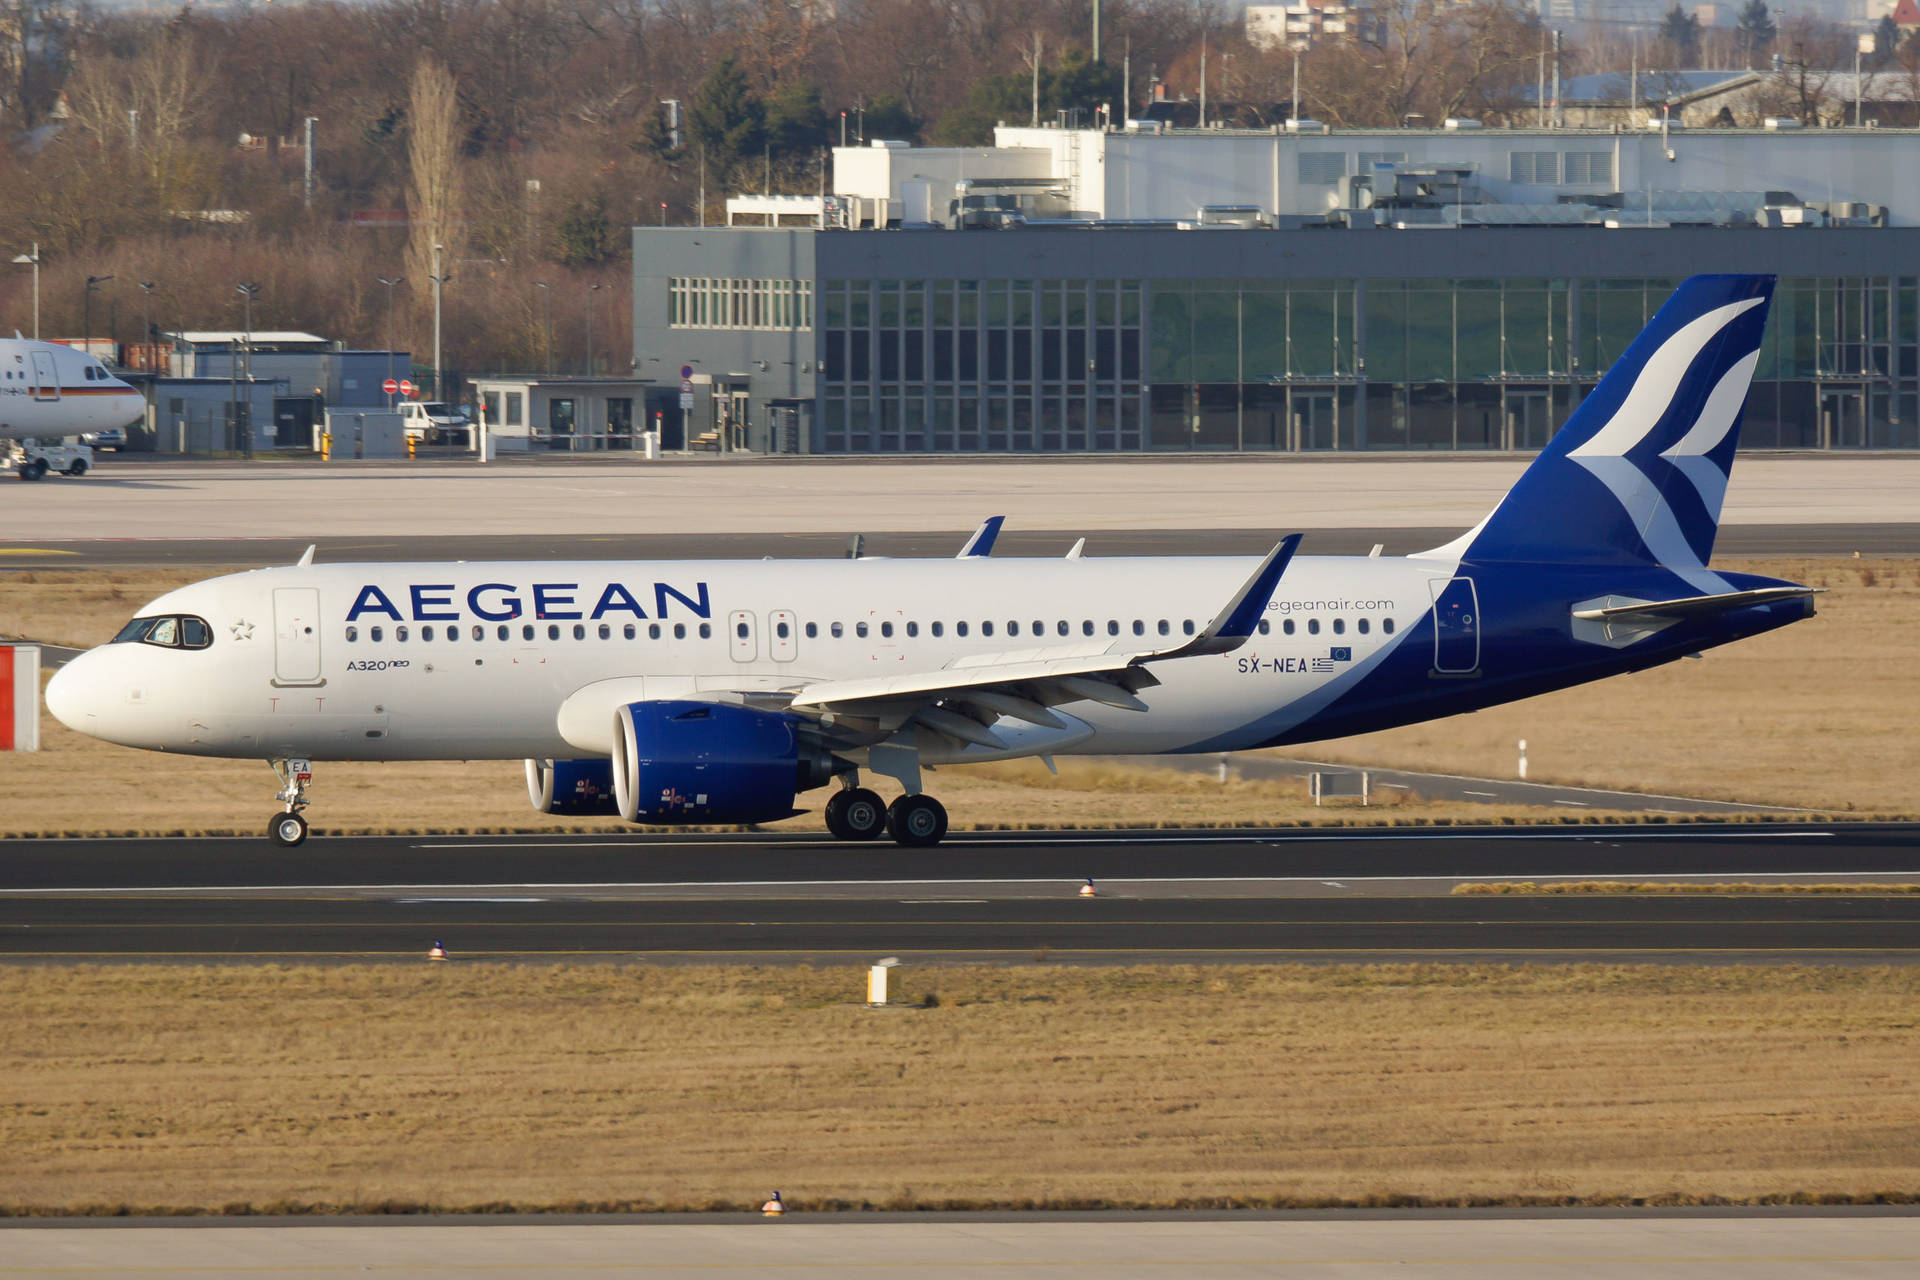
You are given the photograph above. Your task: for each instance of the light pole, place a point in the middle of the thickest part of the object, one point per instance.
(93, 282)
(389, 281)
(438, 280)
(591, 290)
(33, 258)
(248, 291)
(146, 324)
(546, 294)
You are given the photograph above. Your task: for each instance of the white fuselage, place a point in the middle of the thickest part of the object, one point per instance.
(49, 390)
(473, 661)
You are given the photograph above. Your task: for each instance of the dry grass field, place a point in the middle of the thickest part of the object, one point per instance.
(1814, 716)
(453, 1085)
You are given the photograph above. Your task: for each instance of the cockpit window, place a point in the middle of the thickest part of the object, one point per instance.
(170, 631)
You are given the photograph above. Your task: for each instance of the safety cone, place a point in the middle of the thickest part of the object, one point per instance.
(1088, 891)
(436, 951)
(775, 1207)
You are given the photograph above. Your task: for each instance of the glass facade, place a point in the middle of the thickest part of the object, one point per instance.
(709, 302)
(1102, 365)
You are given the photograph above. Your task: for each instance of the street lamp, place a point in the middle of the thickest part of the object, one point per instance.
(33, 258)
(591, 290)
(86, 336)
(389, 281)
(438, 280)
(546, 294)
(248, 291)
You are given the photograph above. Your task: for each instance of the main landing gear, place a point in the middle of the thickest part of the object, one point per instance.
(288, 828)
(855, 813)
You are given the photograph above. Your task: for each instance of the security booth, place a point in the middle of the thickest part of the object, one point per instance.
(569, 414)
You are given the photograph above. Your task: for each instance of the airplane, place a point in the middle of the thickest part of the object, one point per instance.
(718, 692)
(49, 390)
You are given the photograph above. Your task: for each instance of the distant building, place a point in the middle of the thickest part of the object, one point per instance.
(1299, 25)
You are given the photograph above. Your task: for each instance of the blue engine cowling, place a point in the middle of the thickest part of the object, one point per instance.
(581, 787)
(698, 762)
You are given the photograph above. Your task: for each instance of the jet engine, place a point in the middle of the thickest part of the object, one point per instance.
(583, 787)
(695, 762)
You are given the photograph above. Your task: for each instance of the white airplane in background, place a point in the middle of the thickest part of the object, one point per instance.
(718, 691)
(48, 389)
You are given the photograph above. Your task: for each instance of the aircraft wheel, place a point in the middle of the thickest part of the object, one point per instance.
(287, 829)
(856, 815)
(917, 821)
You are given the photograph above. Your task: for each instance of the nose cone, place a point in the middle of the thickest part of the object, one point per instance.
(67, 695)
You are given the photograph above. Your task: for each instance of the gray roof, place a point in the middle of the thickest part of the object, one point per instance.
(1616, 88)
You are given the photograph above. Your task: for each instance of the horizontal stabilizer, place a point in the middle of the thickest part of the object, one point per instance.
(1694, 606)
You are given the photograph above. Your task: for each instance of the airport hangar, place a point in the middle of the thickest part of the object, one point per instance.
(1125, 291)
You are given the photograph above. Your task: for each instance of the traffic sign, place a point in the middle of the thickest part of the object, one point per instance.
(389, 386)
(406, 386)
(686, 386)
(686, 399)
(686, 371)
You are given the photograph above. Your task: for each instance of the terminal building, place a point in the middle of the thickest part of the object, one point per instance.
(1287, 290)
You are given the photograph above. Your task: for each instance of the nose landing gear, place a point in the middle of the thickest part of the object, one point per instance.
(288, 828)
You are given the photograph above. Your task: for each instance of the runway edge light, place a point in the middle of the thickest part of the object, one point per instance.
(437, 951)
(1087, 890)
(775, 1207)
(877, 986)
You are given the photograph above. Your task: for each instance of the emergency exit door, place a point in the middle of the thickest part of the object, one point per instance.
(740, 634)
(1456, 628)
(296, 636)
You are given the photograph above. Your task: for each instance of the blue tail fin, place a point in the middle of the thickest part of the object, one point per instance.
(1638, 472)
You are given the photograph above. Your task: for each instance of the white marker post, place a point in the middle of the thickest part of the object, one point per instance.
(19, 697)
(877, 982)
(1523, 759)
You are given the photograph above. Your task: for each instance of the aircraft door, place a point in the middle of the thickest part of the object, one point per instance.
(783, 644)
(296, 636)
(740, 635)
(1456, 627)
(46, 378)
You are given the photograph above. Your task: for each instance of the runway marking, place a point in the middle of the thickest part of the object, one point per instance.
(1156, 838)
(1069, 882)
(1476, 793)
(35, 551)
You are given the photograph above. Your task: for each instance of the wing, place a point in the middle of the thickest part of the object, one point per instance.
(967, 695)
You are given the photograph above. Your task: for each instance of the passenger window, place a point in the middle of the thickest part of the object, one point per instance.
(1113, 627)
(453, 633)
(1165, 630)
(1287, 626)
(579, 631)
(938, 629)
(1386, 625)
(960, 629)
(913, 629)
(606, 632)
(653, 631)
(479, 632)
(679, 631)
(740, 629)
(1266, 627)
(426, 633)
(373, 634)
(1013, 628)
(1139, 627)
(1060, 627)
(1313, 626)
(1086, 626)
(1039, 627)
(860, 630)
(782, 630)
(886, 630)
(503, 632)
(838, 630)
(1362, 625)
(813, 630)
(353, 634)
(1339, 626)
(1187, 626)
(553, 631)
(706, 631)
(629, 631)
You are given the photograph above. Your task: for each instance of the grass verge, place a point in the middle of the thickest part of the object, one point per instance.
(1526, 887)
(255, 1089)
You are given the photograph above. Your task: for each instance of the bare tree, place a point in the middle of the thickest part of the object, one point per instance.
(433, 156)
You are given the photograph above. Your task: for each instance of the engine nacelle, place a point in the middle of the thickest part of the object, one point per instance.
(695, 762)
(581, 787)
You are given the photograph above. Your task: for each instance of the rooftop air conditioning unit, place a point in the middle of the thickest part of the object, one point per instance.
(1457, 122)
(1778, 124)
(1306, 126)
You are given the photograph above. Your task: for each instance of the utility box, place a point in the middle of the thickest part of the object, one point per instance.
(356, 434)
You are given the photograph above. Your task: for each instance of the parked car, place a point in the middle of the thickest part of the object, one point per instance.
(107, 438)
(434, 422)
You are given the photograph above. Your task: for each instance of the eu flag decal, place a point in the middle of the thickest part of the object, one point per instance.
(1340, 653)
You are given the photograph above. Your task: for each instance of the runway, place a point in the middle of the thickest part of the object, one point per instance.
(1754, 540)
(1173, 897)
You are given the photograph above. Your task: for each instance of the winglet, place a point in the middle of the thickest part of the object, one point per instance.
(306, 557)
(981, 543)
(1231, 627)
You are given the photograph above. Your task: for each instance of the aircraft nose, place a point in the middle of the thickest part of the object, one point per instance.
(72, 694)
